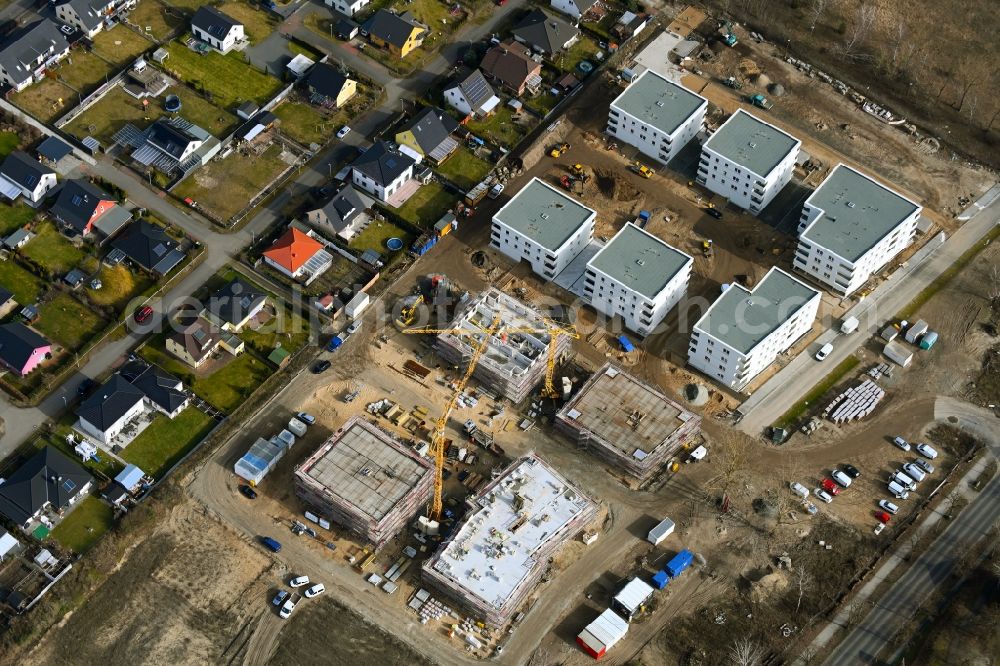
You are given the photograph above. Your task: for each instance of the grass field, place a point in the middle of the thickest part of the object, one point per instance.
(257, 23)
(427, 206)
(376, 234)
(165, 441)
(229, 386)
(817, 392)
(42, 99)
(227, 186)
(228, 79)
(291, 330)
(83, 71)
(68, 321)
(191, 5)
(130, 45)
(50, 249)
(464, 169)
(8, 143)
(119, 285)
(163, 22)
(583, 49)
(84, 525)
(25, 286)
(542, 103)
(499, 129)
(13, 217)
(302, 122)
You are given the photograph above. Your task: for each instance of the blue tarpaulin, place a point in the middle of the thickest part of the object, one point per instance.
(625, 343)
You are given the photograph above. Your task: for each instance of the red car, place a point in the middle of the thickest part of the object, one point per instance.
(883, 517)
(831, 487)
(143, 313)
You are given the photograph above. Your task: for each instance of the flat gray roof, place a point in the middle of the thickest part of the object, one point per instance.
(741, 318)
(544, 214)
(639, 260)
(658, 102)
(858, 212)
(752, 143)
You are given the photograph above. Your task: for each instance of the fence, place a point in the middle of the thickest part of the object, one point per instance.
(91, 99)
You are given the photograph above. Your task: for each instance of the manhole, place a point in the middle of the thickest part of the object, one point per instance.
(394, 244)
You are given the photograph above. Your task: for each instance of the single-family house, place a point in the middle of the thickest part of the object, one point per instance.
(109, 409)
(472, 96)
(217, 29)
(7, 303)
(164, 392)
(23, 176)
(26, 53)
(298, 255)
(173, 140)
(343, 214)
(545, 34)
(84, 207)
(197, 341)
(347, 7)
(90, 16)
(382, 170)
(328, 86)
(510, 65)
(149, 247)
(46, 481)
(21, 349)
(428, 134)
(575, 9)
(397, 33)
(232, 306)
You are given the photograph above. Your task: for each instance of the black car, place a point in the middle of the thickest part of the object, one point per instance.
(851, 471)
(717, 214)
(322, 366)
(248, 492)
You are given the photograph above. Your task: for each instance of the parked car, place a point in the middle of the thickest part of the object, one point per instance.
(343, 131)
(830, 487)
(924, 465)
(717, 214)
(272, 545)
(902, 479)
(280, 597)
(315, 591)
(354, 327)
(824, 351)
(298, 581)
(914, 472)
(851, 471)
(810, 508)
(841, 478)
(248, 492)
(823, 495)
(798, 489)
(927, 451)
(320, 367)
(289, 606)
(898, 491)
(305, 417)
(901, 443)
(882, 517)
(143, 313)
(888, 506)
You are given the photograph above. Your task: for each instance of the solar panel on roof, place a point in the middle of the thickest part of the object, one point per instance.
(160, 250)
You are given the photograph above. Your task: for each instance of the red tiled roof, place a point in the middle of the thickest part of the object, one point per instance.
(293, 250)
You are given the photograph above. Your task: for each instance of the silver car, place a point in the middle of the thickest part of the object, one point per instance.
(901, 443)
(823, 495)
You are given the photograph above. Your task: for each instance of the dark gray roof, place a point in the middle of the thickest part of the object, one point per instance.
(346, 27)
(476, 89)
(5, 296)
(544, 32)
(75, 277)
(18, 343)
(85, 11)
(161, 387)
(389, 27)
(383, 163)
(21, 168)
(48, 476)
(232, 303)
(109, 403)
(77, 201)
(23, 47)
(53, 149)
(343, 207)
(326, 80)
(169, 138)
(213, 21)
(430, 127)
(148, 246)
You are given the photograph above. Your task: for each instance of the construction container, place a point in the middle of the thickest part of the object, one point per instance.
(602, 634)
(679, 563)
(632, 599)
(286, 438)
(445, 225)
(889, 333)
(664, 529)
(259, 460)
(297, 427)
(928, 340)
(477, 193)
(898, 353)
(660, 580)
(357, 305)
(423, 244)
(914, 332)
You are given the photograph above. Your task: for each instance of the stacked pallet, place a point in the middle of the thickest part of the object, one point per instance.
(855, 403)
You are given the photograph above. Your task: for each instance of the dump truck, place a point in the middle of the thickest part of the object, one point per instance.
(642, 170)
(559, 149)
(760, 102)
(732, 82)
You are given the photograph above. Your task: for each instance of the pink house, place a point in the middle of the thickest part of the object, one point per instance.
(21, 349)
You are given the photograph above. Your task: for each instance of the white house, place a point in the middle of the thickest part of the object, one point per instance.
(852, 226)
(217, 29)
(89, 16)
(743, 332)
(573, 8)
(298, 255)
(748, 161)
(27, 52)
(382, 170)
(543, 226)
(109, 409)
(347, 7)
(23, 176)
(473, 96)
(637, 277)
(656, 116)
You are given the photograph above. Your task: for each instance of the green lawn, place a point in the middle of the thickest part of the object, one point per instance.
(25, 286)
(583, 49)
(227, 79)
(499, 128)
(257, 23)
(82, 71)
(191, 5)
(50, 249)
(9, 142)
(228, 387)
(817, 392)
(46, 100)
(84, 525)
(427, 206)
(166, 441)
(291, 330)
(118, 286)
(13, 217)
(297, 48)
(225, 187)
(464, 169)
(542, 103)
(68, 321)
(162, 21)
(377, 233)
(121, 45)
(304, 123)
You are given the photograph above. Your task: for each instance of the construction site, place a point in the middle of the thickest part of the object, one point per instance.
(365, 481)
(627, 422)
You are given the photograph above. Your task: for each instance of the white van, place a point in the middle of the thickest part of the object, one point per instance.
(914, 472)
(898, 491)
(903, 480)
(824, 351)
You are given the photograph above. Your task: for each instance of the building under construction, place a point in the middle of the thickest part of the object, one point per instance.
(366, 481)
(515, 360)
(496, 557)
(627, 422)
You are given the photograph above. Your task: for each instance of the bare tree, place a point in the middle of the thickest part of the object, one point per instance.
(860, 30)
(969, 74)
(856, 612)
(816, 10)
(745, 652)
(804, 581)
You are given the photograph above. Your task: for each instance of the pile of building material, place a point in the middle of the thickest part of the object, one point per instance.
(427, 607)
(855, 403)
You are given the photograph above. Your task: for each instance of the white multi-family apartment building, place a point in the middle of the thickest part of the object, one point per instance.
(656, 116)
(638, 277)
(543, 226)
(748, 161)
(852, 226)
(743, 332)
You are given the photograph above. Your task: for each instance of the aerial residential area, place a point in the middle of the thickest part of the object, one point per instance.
(514, 331)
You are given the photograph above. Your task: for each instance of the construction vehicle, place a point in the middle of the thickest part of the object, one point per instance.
(578, 171)
(559, 149)
(409, 310)
(707, 248)
(760, 102)
(732, 82)
(574, 185)
(729, 37)
(642, 170)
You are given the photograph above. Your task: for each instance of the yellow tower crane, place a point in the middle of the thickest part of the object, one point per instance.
(554, 330)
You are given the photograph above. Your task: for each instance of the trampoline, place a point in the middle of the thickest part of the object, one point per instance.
(172, 104)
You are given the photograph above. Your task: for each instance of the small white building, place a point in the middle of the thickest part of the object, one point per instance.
(473, 96)
(217, 29)
(748, 161)
(637, 277)
(657, 116)
(743, 332)
(23, 176)
(543, 226)
(851, 227)
(347, 7)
